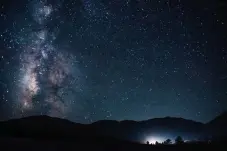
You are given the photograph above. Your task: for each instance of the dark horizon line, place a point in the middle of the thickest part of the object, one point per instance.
(119, 121)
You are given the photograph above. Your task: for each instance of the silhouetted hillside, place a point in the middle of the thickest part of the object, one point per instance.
(42, 126)
(218, 126)
(135, 131)
(219, 121)
(55, 128)
(48, 133)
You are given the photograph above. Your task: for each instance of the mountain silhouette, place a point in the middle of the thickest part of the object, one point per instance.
(137, 130)
(218, 126)
(40, 127)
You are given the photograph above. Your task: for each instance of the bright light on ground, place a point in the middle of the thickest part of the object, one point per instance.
(154, 139)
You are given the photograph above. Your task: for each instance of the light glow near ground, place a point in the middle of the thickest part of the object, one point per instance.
(154, 139)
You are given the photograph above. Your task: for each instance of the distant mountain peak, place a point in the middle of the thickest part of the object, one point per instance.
(127, 129)
(224, 113)
(220, 118)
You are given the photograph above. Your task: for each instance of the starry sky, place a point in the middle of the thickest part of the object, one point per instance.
(89, 60)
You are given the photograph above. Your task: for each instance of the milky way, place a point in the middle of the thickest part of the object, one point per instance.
(89, 60)
(45, 71)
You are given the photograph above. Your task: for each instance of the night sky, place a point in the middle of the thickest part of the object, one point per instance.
(89, 60)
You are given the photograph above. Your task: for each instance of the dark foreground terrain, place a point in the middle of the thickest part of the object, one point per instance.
(43, 133)
(48, 145)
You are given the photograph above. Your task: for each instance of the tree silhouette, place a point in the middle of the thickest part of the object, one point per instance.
(156, 143)
(179, 140)
(148, 143)
(167, 142)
